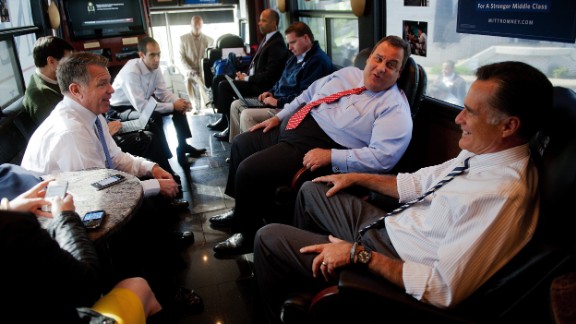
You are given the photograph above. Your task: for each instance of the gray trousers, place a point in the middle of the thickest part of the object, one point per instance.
(280, 269)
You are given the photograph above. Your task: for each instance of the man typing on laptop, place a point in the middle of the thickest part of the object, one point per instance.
(138, 80)
(308, 63)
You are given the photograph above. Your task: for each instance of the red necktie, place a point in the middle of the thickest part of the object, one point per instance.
(298, 116)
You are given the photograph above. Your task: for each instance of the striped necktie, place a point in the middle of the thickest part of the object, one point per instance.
(299, 116)
(379, 223)
(108, 161)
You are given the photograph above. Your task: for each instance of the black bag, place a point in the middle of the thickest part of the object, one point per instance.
(136, 143)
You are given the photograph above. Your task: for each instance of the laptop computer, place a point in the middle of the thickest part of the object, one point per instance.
(249, 102)
(135, 125)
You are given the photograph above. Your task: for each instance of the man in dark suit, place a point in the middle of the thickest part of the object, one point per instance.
(265, 69)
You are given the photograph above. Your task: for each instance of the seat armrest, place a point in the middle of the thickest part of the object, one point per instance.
(365, 288)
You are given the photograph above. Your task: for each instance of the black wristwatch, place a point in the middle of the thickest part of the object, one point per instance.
(364, 256)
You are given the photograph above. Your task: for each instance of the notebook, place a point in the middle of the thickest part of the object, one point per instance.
(249, 102)
(135, 125)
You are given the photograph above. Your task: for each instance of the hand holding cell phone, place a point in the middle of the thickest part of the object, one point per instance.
(56, 188)
(59, 205)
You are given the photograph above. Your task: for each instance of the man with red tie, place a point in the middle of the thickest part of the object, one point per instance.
(359, 122)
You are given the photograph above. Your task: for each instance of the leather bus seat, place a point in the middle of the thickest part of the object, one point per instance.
(212, 54)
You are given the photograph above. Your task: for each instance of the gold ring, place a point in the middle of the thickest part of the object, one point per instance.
(324, 263)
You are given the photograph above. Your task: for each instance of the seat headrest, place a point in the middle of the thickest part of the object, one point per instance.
(413, 82)
(361, 57)
(229, 41)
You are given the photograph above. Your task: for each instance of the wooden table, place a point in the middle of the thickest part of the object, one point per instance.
(120, 201)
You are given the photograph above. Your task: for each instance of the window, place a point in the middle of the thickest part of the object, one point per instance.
(25, 46)
(468, 51)
(332, 20)
(217, 21)
(325, 5)
(10, 80)
(343, 34)
(16, 44)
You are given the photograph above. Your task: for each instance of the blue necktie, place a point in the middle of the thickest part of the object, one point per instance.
(380, 222)
(103, 142)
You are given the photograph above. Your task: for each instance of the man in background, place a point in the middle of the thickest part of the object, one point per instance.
(307, 64)
(138, 80)
(265, 69)
(192, 48)
(449, 84)
(42, 93)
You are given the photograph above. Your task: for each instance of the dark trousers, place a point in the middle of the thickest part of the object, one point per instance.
(144, 248)
(261, 162)
(146, 145)
(156, 125)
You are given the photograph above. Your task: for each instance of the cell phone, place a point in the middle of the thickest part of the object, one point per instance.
(93, 219)
(110, 181)
(56, 188)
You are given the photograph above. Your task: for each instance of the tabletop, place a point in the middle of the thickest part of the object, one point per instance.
(120, 201)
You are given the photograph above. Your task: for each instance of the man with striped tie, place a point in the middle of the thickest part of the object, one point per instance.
(349, 121)
(461, 221)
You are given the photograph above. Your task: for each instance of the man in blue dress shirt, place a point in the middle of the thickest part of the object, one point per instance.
(364, 132)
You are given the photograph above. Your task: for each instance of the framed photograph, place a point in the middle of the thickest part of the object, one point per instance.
(416, 33)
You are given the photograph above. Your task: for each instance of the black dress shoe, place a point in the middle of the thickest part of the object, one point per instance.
(218, 125)
(223, 220)
(239, 243)
(223, 135)
(189, 301)
(179, 203)
(190, 150)
(184, 238)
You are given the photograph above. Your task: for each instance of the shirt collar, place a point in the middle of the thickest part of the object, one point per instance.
(269, 35)
(502, 158)
(84, 114)
(142, 67)
(301, 57)
(45, 78)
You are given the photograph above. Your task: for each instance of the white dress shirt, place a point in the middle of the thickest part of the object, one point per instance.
(459, 236)
(135, 84)
(68, 141)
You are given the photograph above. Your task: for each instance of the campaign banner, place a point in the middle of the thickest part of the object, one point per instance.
(551, 20)
(188, 2)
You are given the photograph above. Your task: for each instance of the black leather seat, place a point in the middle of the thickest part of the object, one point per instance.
(519, 292)
(213, 54)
